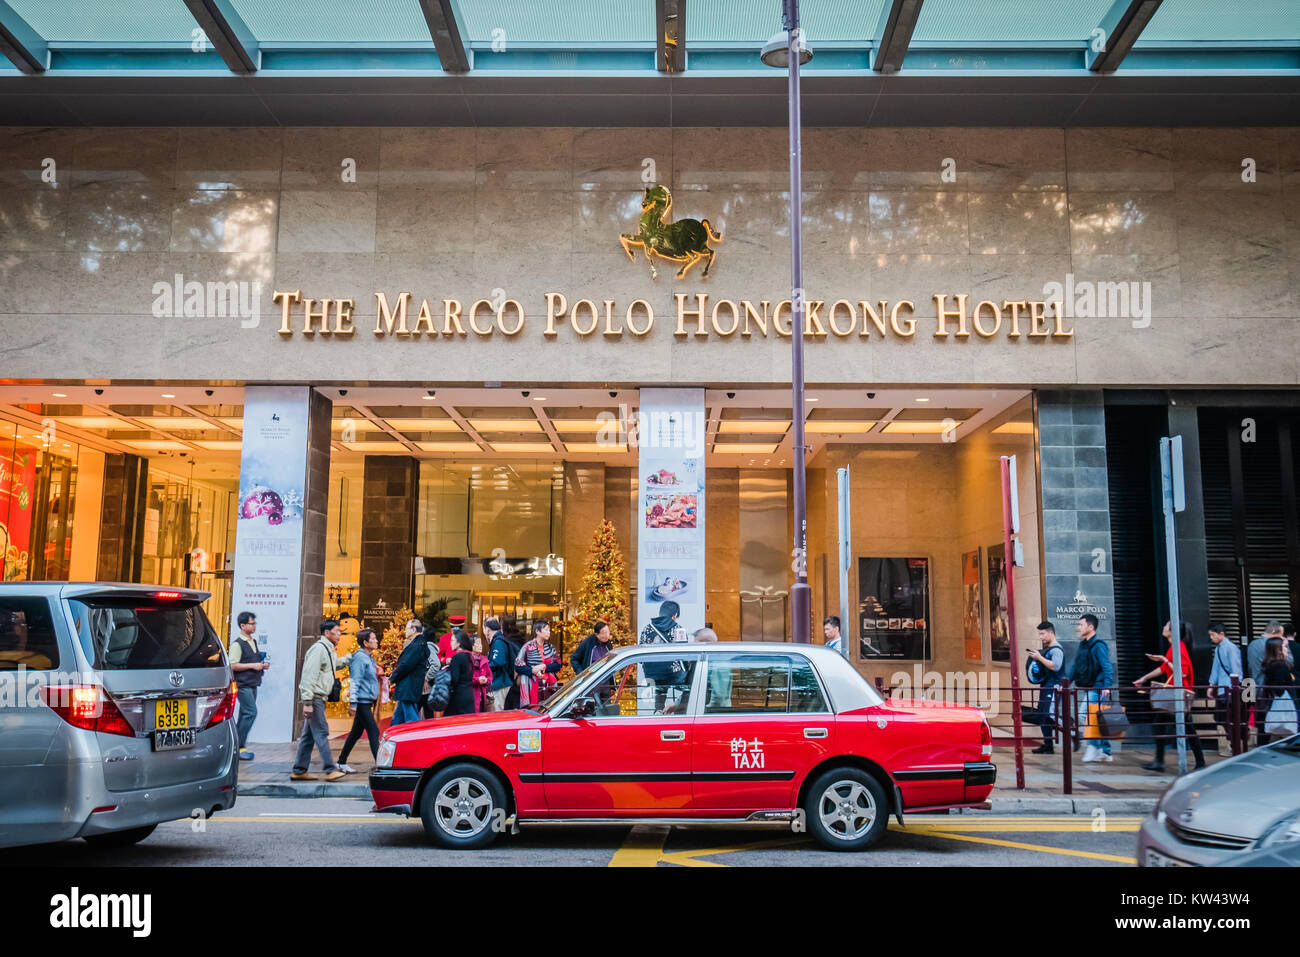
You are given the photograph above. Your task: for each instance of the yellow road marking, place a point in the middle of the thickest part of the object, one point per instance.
(1092, 855)
(1110, 828)
(643, 847)
(688, 858)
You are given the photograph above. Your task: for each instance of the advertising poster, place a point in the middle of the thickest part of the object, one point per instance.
(268, 545)
(972, 605)
(17, 504)
(999, 627)
(894, 608)
(670, 541)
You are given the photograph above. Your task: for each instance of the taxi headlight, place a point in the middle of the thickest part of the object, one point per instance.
(387, 749)
(1285, 831)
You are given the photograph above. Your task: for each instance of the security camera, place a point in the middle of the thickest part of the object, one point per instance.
(731, 395)
(871, 395)
(613, 395)
(343, 391)
(207, 392)
(99, 392)
(432, 393)
(524, 393)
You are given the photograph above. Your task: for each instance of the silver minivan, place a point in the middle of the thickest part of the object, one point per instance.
(116, 712)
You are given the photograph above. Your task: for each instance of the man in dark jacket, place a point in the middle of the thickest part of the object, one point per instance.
(501, 656)
(1093, 676)
(594, 647)
(408, 675)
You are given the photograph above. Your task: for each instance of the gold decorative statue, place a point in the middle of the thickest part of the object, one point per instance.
(685, 241)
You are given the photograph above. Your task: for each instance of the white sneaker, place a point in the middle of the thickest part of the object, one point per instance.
(1091, 753)
(1106, 757)
(347, 769)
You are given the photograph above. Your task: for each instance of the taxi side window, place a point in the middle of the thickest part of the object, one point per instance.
(643, 689)
(27, 638)
(747, 684)
(805, 692)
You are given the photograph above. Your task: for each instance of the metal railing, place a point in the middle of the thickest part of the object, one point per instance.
(1224, 716)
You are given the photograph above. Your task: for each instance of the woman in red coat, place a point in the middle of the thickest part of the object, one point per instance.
(1164, 720)
(482, 675)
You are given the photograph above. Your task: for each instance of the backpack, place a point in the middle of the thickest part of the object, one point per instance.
(440, 690)
(512, 652)
(1086, 668)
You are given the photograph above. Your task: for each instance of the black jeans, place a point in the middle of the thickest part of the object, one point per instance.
(363, 720)
(1166, 736)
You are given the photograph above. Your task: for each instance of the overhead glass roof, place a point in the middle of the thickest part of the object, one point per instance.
(560, 37)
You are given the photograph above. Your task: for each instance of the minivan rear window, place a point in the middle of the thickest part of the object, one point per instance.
(27, 637)
(130, 634)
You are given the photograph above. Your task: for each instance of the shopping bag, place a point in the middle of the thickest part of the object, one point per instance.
(1090, 723)
(1168, 699)
(1281, 718)
(1112, 722)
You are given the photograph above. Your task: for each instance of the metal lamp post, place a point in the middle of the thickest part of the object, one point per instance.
(787, 50)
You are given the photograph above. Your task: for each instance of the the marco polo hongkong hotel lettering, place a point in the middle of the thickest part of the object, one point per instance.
(697, 316)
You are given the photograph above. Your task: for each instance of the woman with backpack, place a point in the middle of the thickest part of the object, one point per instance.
(664, 629)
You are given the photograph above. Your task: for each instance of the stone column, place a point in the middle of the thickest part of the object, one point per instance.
(390, 501)
(121, 524)
(1076, 514)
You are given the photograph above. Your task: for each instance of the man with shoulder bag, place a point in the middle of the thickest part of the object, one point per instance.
(1092, 676)
(1044, 669)
(1227, 665)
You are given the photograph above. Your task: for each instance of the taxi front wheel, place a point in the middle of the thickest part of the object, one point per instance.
(846, 809)
(463, 807)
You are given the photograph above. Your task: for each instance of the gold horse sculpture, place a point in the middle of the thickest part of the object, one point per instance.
(685, 241)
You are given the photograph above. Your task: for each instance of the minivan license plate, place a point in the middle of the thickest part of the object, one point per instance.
(171, 714)
(1156, 859)
(174, 740)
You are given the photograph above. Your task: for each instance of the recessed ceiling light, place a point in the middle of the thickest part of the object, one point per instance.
(922, 399)
(539, 398)
(813, 398)
(59, 395)
(169, 395)
(427, 398)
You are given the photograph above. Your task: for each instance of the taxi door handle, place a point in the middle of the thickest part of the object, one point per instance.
(814, 732)
(672, 735)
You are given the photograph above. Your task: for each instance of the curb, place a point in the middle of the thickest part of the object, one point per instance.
(1072, 805)
(303, 789)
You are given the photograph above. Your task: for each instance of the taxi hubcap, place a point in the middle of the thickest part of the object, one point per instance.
(847, 810)
(463, 807)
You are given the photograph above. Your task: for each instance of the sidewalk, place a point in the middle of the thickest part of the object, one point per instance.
(1120, 787)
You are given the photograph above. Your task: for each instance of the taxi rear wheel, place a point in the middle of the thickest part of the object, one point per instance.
(463, 807)
(846, 809)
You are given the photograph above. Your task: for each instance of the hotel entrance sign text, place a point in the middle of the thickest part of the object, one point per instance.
(699, 316)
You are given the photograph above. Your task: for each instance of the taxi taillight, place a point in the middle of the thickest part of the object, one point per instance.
(87, 707)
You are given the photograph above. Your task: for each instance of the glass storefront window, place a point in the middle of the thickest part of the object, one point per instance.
(38, 478)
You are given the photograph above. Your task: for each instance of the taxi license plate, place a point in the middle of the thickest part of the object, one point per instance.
(174, 740)
(171, 714)
(1156, 859)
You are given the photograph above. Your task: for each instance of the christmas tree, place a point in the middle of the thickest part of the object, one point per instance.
(604, 595)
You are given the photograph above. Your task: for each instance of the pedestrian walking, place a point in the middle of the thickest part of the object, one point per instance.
(501, 659)
(664, 629)
(461, 668)
(1227, 665)
(316, 686)
(363, 693)
(247, 662)
(536, 665)
(1165, 727)
(1278, 693)
(1092, 674)
(1045, 668)
(482, 676)
(408, 675)
(595, 646)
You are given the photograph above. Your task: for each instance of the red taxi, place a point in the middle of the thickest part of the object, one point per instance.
(688, 734)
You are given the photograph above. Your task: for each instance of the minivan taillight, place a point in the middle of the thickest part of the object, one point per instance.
(87, 707)
(226, 710)
(986, 739)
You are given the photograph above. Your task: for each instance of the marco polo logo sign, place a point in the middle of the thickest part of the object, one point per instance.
(688, 242)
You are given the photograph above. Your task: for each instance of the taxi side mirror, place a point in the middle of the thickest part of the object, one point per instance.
(584, 707)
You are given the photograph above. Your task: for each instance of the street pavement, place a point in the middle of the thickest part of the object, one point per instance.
(332, 831)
